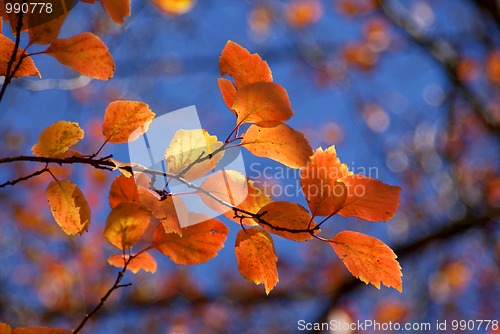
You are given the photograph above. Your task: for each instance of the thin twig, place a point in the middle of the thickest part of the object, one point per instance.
(24, 178)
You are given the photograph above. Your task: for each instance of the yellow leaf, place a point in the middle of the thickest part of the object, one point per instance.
(279, 142)
(244, 67)
(321, 182)
(117, 10)
(27, 67)
(85, 53)
(288, 220)
(125, 121)
(234, 188)
(68, 206)
(262, 101)
(199, 243)
(142, 261)
(55, 140)
(123, 189)
(126, 224)
(174, 7)
(186, 147)
(256, 257)
(165, 210)
(368, 259)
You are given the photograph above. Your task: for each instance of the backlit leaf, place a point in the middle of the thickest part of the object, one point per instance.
(117, 10)
(279, 142)
(123, 189)
(47, 32)
(288, 220)
(27, 67)
(368, 259)
(262, 101)
(126, 224)
(245, 68)
(321, 182)
(56, 139)
(142, 261)
(302, 13)
(256, 257)
(228, 92)
(68, 206)
(234, 188)
(186, 147)
(369, 199)
(199, 243)
(41, 330)
(165, 210)
(5, 329)
(125, 121)
(85, 53)
(174, 7)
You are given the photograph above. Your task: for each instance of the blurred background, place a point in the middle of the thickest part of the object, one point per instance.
(406, 88)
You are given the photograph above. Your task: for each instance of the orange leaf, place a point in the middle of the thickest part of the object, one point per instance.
(234, 188)
(244, 67)
(126, 224)
(125, 121)
(27, 67)
(368, 259)
(47, 32)
(262, 101)
(85, 53)
(228, 91)
(174, 7)
(55, 140)
(256, 257)
(142, 261)
(186, 147)
(117, 10)
(68, 206)
(165, 210)
(123, 189)
(303, 13)
(369, 199)
(4, 328)
(286, 219)
(41, 330)
(199, 243)
(279, 142)
(321, 184)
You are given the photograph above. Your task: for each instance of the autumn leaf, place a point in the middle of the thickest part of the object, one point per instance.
(199, 243)
(47, 32)
(56, 139)
(41, 330)
(27, 67)
(256, 257)
(244, 67)
(228, 92)
(123, 189)
(321, 182)
(279, 142)
(5, 329)
(125, 121)
(166, 210)
(117, 10)
(85, 53)
(68, 206)
(187, 148)
(288, 220)
(126, 224)
(303, 13)
(369, 199)
(234, 188)
(142, 261)
(368, 259)
(174, 7)
(262, 101)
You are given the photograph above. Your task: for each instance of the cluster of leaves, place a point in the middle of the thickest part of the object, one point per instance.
(261, 108)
